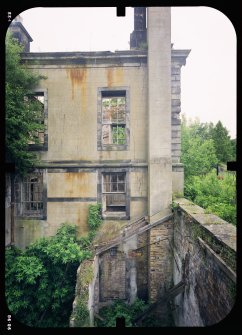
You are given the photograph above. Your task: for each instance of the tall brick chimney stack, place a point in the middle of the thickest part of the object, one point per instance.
(138, 38)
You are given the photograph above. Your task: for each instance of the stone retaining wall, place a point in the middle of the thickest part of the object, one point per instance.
(205, 259)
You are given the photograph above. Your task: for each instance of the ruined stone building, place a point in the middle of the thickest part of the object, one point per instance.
(112, 132)
(112, 135)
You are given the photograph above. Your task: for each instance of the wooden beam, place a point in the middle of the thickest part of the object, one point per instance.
(138, 232)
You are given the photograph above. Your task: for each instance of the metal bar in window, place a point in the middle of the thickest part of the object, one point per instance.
(118, 192)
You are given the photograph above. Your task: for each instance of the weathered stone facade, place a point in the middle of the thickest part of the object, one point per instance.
(73, 158)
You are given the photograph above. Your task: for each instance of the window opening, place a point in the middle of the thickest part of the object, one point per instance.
(29, 196)
(113, 251)
(114, 192)
(39, 101)
(114, 120)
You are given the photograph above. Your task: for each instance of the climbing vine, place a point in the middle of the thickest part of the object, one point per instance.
(94, 217)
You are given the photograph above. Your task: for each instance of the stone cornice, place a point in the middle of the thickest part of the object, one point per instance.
(118, 58)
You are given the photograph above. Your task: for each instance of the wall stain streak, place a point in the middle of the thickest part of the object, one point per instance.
(78, 77)
(76, 184)
(109, 76)
(114, 76)
(119, 76)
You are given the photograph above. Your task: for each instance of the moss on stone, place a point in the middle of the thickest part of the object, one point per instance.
(108, 231)
(80, 314)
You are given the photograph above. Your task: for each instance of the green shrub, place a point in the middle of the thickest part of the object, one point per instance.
(121, 309)
(40, 281)
(216, 194)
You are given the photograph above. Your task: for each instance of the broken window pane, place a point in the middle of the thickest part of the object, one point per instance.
(115, 202)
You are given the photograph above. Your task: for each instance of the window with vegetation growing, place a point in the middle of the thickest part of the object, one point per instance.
(113, 119)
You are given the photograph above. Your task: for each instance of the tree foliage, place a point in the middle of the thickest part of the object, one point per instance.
(121, 309)
(204, 147)
(198, 152)
(223, 144)
(40, 281)
(217, 194)
(22, 111)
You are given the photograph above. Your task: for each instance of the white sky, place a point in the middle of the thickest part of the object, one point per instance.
(209, 77)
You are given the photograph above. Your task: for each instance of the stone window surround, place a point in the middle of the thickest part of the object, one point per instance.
(126, 215)
(44, 146)
(112, 147)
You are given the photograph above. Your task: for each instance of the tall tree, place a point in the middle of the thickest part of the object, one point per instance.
(222, 143)
(198, 152)
(22, 110)
(234, 147)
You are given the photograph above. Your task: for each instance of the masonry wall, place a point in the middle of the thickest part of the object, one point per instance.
(160, 260)
(204, 258)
